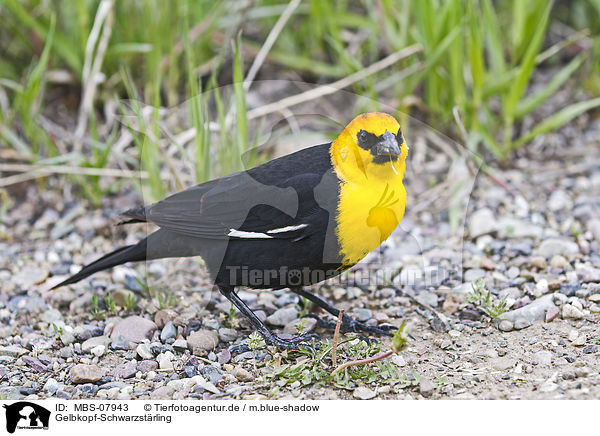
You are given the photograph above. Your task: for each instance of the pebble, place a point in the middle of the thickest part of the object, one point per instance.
(227, 334)
(426, 297)
(534, 311)
(426, 387)
(134, 329)
(283, 316)
(202, 341)
(589, 349)
(145, 366)
(144, 351)
(559, 262)
(542, 287)
(180, 345)
(551, 313)
(543, 358)
(82, 373)
(505, 325)
(169, 331)
(162, 393)
(481, 222)
(364, 393)
(538, 262)
(363, 315)
(503, 363)
(571, 312)
(125, 370)
(242, 375)
(553, 246)
(92, 343)
(51, 386)
(163, 316)
(212, 373)
(12, 351)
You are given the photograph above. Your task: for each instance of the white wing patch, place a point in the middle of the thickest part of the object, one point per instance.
(288, 229)
(257, 235)
(247, 235)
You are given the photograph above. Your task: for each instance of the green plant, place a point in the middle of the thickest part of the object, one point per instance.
(231, 319)
(109, 302)
(96, 311)
(130, 303)
(485, 300)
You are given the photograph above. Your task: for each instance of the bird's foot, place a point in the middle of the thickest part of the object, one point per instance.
(294, 343)
(350, 325)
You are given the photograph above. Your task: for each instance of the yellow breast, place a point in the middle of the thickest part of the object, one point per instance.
(367, 215)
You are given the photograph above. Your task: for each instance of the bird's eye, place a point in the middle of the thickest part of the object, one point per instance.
(362, 136)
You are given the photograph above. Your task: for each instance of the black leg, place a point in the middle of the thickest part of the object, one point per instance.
(349, 324)
(271, 338)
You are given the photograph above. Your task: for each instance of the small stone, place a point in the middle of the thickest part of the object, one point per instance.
(163, 316)
(29, 276)
(571, 312)
(584, 371)
(487, 264)
(163, 393)
(165, 361)
(559, 200)
(125, 370)
(145, 366)
(505, 326)
(551, 313)
(98, 350)
(543, 358)
(559, 262)
(169, 331)
(144, 351)
(134, 329)
(227, 334)
(398, 360)
(51, 386)
(308, 325)
(180, 345)
(242, 375)
(426, 387)
(283, 316)
(452, 303)
(595, 298)
(428, 298)
(590, 349)
(521, 324)
(481, 222)
(538, 262)
(542, 287)
(473, 274)
(534, 311)
(213, 374)
(553, 246)
(82, 373)
(202, 341)
(363, 315)
(94, 342)
(12, 351)
(503, 363)
(364, 393)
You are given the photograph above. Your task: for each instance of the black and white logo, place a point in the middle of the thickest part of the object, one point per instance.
(26, 415)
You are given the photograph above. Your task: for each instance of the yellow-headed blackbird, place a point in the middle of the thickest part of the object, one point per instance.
(293, 221)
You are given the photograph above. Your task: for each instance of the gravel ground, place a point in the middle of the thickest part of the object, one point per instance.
(531, 240)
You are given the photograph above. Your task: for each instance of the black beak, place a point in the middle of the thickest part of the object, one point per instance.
(388, 145)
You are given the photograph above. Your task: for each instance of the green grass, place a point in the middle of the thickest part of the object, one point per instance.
(478, 56)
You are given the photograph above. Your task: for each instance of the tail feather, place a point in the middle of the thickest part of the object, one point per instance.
(129, 253)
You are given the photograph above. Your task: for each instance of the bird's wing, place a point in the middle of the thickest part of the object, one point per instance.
(238, 206)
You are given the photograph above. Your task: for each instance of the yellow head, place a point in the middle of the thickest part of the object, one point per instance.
(370, 148)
